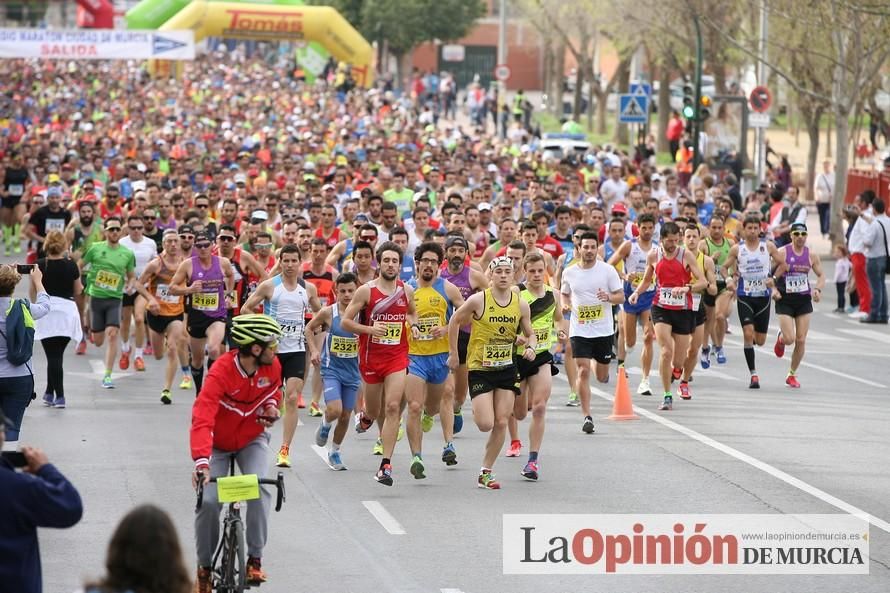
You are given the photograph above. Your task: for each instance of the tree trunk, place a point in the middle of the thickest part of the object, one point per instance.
(601, 126)
(557, 81)
(579, 91)
(548, 66)
(622, 133)
(589, 126)
(403, 67)
(840, 185)
(828, 138)
(812, 117)
(664, 108)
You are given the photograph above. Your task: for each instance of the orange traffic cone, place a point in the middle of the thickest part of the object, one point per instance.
(623, 407)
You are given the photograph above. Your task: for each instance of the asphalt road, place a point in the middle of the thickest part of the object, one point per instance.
(822, 449)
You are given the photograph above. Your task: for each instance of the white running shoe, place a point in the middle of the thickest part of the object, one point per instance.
(644, 389)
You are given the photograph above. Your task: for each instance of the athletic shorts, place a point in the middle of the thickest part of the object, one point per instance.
(11, 201)
(700, 317)
(711, 301)
(487, 381)
(104, 313)
(463, 343)
(644, 302)
(754, 311)
(527, 368)
(432, 368)
(129, 300)
(599, 348)
(375, 370)
(794, 306)
(199, 322)
(293, 365)
(335, 390)
(159, 323)
(682, 321)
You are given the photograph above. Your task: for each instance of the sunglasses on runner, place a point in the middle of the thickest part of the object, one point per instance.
(263, 245)
(798, 233)
(226, 238)
(113, 229)
(136, 228)
(187, 237)
(203, 245)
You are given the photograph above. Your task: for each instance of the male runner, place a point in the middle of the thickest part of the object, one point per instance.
(111, 267)
(287, 298)
(208, 279)
(434, 300)
(536, 376)
(323, 277)
(634, 253)
(496, 315)
(750, 262)
(717, 246)
(81, 234)
(589, 289)
(468, 281)
(145, 250)
(165, 312)
(692, 240)
(385, 305)
(569, 258)
(338, 360)
(676, 274)
(363, 262)
(794, 298)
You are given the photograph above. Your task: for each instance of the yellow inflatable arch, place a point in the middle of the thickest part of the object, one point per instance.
(275, 22)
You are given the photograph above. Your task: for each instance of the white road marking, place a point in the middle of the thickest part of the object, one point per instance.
(756, 463)
(450, 591)
(812, 334)
(323, 453)
(98, 368)
(383, 517)
(712, 372)
(867, 333)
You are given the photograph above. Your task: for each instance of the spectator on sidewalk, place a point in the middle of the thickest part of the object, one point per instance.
(37, 496)
(842, 269)
(876, 262)
(674, 133)
(858, 249)
(824, 189)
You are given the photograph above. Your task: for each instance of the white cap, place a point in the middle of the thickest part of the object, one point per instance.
(356, 195)
(484, 206)
(656, 177)
(240, 178)
(138, 185)
(665, 204)
(492, 168)
(500, 261)
(259, 215)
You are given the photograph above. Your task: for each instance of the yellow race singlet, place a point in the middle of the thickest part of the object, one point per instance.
(493, 335)
(433, 310)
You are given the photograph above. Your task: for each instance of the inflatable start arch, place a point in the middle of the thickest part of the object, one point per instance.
(276, 22)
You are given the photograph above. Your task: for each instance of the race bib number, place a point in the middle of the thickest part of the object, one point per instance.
(666, 298)
(797, 283)
(205, 301)
(16, 189)
(55, 224)
(290, 327)
(589, 313)
(635, 278)
(107, 280)
(343, 347)
(754, 286)
(497, 355)
(162, 292)
(542, 335)
(696, 301)
(393, 336)
(425, 327)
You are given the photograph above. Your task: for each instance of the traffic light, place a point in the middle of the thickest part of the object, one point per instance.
(688, 102)
(704, 108)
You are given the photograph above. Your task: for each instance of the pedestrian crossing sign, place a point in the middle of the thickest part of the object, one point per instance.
(633, 109)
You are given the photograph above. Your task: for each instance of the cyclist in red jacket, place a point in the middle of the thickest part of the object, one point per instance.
(238, 402)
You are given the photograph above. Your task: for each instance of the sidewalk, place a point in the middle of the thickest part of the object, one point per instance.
(821, 246)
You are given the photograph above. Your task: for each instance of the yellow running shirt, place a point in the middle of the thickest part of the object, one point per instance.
(493, 336)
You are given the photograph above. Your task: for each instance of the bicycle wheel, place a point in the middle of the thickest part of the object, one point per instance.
(234, 567)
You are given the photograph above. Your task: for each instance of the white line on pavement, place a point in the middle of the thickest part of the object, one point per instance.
(867, 333)
(450, 591)
(321, 453)
(756, 463)
(383, 517)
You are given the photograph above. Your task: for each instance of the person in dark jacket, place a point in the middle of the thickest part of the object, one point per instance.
(37, 496)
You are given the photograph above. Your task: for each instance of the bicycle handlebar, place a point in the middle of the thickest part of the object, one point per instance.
(278, 482)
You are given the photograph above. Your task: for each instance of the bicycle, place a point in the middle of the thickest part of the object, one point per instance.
(229, 569)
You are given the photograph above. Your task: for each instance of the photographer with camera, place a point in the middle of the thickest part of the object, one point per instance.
(38, 496)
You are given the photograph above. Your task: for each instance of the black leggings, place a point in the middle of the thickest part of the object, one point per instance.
(55, 349)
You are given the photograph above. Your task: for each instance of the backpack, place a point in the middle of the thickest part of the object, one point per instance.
(19, 333)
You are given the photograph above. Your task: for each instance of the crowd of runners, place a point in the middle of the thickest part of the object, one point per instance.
(394, 267)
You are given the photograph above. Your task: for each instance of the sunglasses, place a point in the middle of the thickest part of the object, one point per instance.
(149, 218)
(136, 228)
(368, 237)
(202, 245)
(202, 206)
(263, 245)
(113, 229)
(187, 237)
(798, 233)
(226, 238)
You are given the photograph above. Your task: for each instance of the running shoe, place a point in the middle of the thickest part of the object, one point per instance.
(487, 481)
(139, 364)
(790, 381)
(667, 404)
(587, 427)
(514, 449)
(779, 348)
(426, 422)
(683, 390)
(378, 447)
(721, 356)
(417, 468)
(574, 401)
(458, 422)
(401, 434)
(335, 462)
(644, 388)
(284, 456)
(362, 423)
(449, 455)
(124, 362)
(8, 250)
(705, 358)
(48, 399)
(166, 397)
(81, 348)
(755, 382)
(107, 383)
(204, 581)
(384, 475)
(676, 374)
(255, 574)
(530, 471)
(17, 246)
(314, 410)
(321, 434)
(300, 402)
(186, 382)
(60, 403)
(149, 351)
